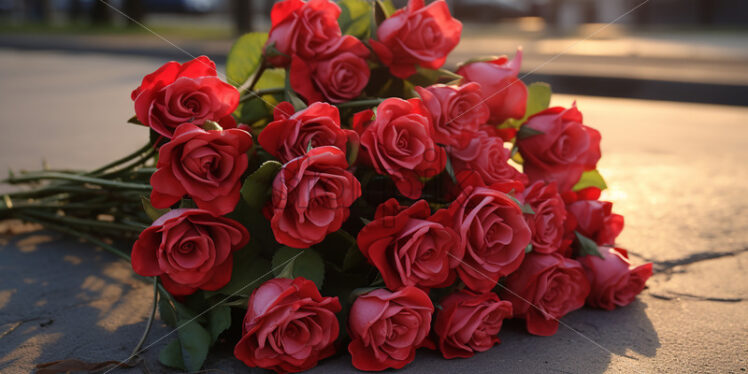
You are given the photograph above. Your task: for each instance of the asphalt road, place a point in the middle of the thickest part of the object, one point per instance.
(676, 171)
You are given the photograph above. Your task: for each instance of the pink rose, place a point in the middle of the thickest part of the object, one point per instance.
(547, 222)
(614, 281)
(503, 92)
(387, 327)
(417, 35)
(565, 149)
(469, 322)
(487, 157)
(288, 327)
(457, 112)
(304, 29)
(290, 134)
(545, 288)
(311, 197)
(189, 249)
(595, 220)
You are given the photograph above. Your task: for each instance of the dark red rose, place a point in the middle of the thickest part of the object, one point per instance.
(486, 156)
(493, 233)
(457, 112)
(547, 222)
(290, 134)
(503, 92)
(468, 322)
(409, 246)
(565, 149)
(207, 165)
(417, 35)
(399, 143)
(311, 197)
(614, 281)
(304, 29)
(337, 76)
(387, 327)
(289, 326)
(596, 221)
(545, 288)
(189, 249)
(189, 93)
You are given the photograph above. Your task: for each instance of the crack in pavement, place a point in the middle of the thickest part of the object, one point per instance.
(667, 265)
(695, 297)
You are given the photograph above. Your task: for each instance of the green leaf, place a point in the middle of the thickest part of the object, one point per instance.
(195, 342)
(527, 209)
(211, 125)
(271, 78)
(257, 187)
(353, 258)
(527, 132)
(528, 249)
(219, 319)
(590, 178)
(476, 59)
(450, 170)
(245, 57)
(245, 277)
(586, 246)
(171, 355)
(135, 121)
(355, 18)
(167, 312)
(150, 211)
(296, 262)
(426, 77)
(538, 98)
(383, 10)
(253, 110)
(292, 97)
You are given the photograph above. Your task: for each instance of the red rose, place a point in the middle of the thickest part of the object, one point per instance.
(399, 143)
(493, 233)
(417, 35)
(565, 149)
(387, 327)
(302, 28)
(468, 322)
(337, 77)
(503, 92)
(545, 288)
(176, 94)
(614, 281)
(596, 221)
(409, 246)
(486, 156)
(289, 326)
(207, 165)
(457, 112)
(189, 249)
(547, 222)
(311, 197)
(290, 135)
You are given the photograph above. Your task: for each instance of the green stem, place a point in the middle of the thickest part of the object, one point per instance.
(360, 103)
(78, 234)
(120, 161)
(260, 93)
(258, 73)
(82, 179)
(149, 324)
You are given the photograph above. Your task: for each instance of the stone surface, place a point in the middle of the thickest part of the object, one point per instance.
(676, 171)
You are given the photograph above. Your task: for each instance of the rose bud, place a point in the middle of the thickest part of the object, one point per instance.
(290, 134)
(207, 165)
(387, 327)
(613, 280)
(409, 246)
(311, 197)
(547, 222)
(301, 28)
(180, 93)
(457, 112)
(189, 249)
(469, 322)
(288, 327)
(416, 35)
(492, 232)
(563, 150)
(399, 143)
(486, 156)
(596, 221)
(545, 288)
(503, 92)
(340, 75)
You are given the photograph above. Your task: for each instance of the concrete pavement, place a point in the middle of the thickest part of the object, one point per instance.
(677, 173)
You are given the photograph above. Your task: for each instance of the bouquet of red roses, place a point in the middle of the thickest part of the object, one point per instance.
(341, 189)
